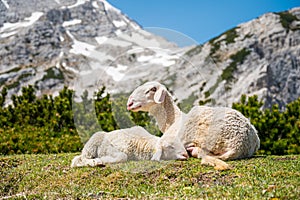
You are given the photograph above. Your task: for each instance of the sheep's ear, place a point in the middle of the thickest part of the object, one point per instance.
(160, 95)
(157, 154)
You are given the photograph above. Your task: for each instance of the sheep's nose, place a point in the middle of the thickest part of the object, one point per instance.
(129, 104)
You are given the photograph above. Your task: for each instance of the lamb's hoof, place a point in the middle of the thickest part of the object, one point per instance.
(99, 163)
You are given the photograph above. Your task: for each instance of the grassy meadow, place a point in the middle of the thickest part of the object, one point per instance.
(49, 176)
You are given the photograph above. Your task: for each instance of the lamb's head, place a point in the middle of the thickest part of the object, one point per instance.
(170, 149)
(146, 96)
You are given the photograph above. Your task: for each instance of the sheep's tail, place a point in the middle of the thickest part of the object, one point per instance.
(253, 143)
(215, 162)
(256, 138)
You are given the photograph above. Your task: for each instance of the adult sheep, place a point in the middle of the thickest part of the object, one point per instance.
(128, 144)
(211, 133)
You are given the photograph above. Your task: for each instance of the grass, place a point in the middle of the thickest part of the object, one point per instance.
(50, 177)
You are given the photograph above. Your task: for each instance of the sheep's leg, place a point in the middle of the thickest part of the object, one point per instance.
(215, 162)
(229, 155)
(198, 152)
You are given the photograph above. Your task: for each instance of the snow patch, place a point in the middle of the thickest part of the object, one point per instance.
(82, 48)
(86, 49)
(79, 47)
(160, 58)
(4, 35)
(61, 38)
(119, 24)
(70, 68)
(95, 4)
(118, 32)
(5, 3)
(116, 72)
(71, 23)
(135, 49)
(57, 1)
(132, 24)
(78, 3)
(11, 28)
(101, 40)
(117, 42)
(140, 40)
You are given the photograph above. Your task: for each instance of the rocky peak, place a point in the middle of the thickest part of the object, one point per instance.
(85, 44)
(257, 57)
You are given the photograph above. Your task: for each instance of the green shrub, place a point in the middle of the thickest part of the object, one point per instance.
(231, 34)
(237, 59)
(30, 139)
(287, 19)
(279, 131)
(46, 124)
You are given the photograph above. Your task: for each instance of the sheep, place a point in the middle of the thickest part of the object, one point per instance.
(214, 134)
(133, 143)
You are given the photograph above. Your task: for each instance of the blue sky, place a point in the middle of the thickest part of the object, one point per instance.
(200, 20)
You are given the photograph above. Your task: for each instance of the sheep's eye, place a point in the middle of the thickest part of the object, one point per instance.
(151, 90)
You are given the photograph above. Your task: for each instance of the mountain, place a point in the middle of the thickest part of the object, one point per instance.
(85, 44)
(260, 57)
(80, 43)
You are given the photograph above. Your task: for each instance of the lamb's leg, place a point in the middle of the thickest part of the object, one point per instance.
(93, 162)
(114, 158)
(81, 161)
(198, 152)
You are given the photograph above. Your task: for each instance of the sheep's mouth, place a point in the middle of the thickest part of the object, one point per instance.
(133, 108)
(136, 107)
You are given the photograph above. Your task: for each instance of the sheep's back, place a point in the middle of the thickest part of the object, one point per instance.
(219, 129)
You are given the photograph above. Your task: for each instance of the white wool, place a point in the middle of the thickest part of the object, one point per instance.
(128, 144)
(210, 133)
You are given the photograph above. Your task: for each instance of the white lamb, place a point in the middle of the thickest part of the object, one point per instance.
(210, 133)
(128, 144)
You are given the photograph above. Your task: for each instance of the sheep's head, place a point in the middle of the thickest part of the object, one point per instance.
(146, 95)
(170, 149)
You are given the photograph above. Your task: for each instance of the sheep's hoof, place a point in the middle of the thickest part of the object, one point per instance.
(215, 162)
(222, 167)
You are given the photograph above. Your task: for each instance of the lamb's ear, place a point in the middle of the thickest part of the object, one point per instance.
(157, 154)
(160, 95)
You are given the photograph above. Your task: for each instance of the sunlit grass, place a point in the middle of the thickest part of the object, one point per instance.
(50, 177)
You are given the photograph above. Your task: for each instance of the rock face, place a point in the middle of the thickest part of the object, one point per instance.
(85, 44)
(258, 57)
